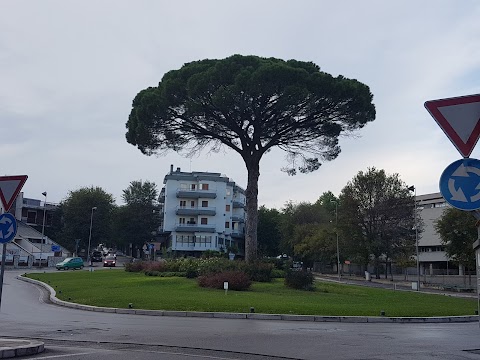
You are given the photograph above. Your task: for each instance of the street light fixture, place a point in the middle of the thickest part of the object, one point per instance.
(90, 236)
(336, 231)
(43, 230)
(414, 189)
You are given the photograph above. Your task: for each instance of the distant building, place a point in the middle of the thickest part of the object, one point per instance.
(202, 211)
(30, 247)
(432, 257)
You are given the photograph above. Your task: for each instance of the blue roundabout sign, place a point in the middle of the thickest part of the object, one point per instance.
(460, 184)
(8, 227)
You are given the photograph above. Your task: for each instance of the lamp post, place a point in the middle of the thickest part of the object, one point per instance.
(90, 235)
(43, 230)
(336, 231)
(414, 189)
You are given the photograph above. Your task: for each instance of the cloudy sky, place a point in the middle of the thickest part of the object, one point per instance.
(69, 71)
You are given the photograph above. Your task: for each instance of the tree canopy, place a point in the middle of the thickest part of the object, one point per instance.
(458, 232)
(377, 212)
(250, 105)
(136, 222)
(76, 211)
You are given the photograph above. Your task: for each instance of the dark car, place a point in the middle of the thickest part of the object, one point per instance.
(97, 256)
(109, 261)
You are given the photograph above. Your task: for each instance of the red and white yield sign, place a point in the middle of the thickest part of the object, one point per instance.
(459, 119)
(10, 186)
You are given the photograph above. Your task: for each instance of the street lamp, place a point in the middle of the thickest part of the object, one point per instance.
(336, 231)
(414, 189)
(43, 229)
(90, 236)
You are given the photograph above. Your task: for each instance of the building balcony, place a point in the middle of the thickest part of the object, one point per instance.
(183, 210)
(238, 204)
(196, 194)
(238, 218)
(237, 234)
(210, 228)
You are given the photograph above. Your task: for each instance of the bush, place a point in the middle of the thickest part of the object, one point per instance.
(216, 265)
(136, 266)
(259, 271)
(301, 280)
(237, 280)
(165, 273)
(278, 274)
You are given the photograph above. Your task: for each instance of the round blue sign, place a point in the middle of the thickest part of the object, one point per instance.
(460, 184)
(8, 227)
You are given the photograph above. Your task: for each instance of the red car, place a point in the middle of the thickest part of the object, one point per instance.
(109, 261)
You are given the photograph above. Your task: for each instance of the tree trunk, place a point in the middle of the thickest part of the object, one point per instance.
(251, 195)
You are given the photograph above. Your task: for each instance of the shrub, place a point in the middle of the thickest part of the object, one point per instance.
(259, 271)
(216, 265)
(278, 274)
(237, 280)
(158, 266)
(165, 273)
(302, 280)
(136, 266)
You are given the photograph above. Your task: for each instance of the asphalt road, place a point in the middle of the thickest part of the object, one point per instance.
(76, 334)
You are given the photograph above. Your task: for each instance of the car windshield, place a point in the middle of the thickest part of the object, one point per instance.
(110, 258)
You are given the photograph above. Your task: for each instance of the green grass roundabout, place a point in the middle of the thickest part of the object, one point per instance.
(119, 289)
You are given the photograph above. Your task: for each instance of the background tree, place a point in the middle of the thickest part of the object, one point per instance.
(269, 233)
(136, 222)
(76, 212)
(250, 105)
(377, 210)
(310, 230)
(458, 232)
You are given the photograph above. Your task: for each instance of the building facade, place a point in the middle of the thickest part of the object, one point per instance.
(31, 246)
(202, 211)
(432, 257)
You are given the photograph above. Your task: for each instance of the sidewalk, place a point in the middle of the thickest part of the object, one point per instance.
(389, 284)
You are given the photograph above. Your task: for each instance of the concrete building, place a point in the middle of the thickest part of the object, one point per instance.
(30, 247)
(432, 257)
(202, 211)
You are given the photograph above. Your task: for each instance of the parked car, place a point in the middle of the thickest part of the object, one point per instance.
(97, 256)
(109, 261)
(70, 263)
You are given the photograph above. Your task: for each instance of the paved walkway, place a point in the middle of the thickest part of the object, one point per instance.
(388, 284)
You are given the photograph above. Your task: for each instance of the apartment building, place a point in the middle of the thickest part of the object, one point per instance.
(202, 211)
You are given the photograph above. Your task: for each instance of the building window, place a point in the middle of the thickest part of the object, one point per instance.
(229, 192)
(192, 221)
(204, 186)
(193, 187)
(183, 203)
(192, 204)
(204, 221)
(32, 217)
(183, 186)
(227, 225)
(181, 221)
(204, 203)
(227, 207)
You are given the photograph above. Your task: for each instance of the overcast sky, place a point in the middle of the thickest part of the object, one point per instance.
(69, 71)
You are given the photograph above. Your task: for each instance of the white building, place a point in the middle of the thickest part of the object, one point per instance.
(202, 211)
(431, 252)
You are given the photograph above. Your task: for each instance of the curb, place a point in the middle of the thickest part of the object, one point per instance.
(10, 348)
(255, 316)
